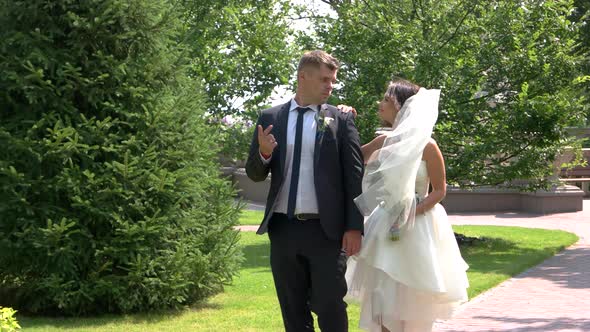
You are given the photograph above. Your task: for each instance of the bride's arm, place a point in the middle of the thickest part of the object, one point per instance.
(372, 146)
(435, 164)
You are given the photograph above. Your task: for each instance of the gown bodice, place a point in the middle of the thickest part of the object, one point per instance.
(422, 180)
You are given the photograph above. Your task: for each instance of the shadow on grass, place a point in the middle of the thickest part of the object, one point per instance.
(76, 323)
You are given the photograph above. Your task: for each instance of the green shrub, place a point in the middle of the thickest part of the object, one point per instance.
(111, 199)
(7, 321)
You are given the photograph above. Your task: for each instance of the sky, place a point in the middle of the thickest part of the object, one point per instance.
(317, 6)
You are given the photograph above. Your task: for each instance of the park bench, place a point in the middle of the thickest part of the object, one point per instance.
(579, 176)
(584, 183)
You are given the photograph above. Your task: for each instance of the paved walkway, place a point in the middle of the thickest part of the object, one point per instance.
(553, 296)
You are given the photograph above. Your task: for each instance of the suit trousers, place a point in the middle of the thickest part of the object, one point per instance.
(308, 270)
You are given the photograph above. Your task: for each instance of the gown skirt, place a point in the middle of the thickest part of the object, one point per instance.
(413, 281)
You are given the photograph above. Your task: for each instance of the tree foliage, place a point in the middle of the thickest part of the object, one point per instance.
(241, 50)
(581, 15)
(507, 70)
(111, 199)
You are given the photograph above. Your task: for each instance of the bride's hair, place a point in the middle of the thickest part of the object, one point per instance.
(399, 90)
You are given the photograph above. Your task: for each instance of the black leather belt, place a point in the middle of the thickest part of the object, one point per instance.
(300, 216)
(307, 216)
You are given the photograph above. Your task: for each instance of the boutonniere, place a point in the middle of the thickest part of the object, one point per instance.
(322, 120)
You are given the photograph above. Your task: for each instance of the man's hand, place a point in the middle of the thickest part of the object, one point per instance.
(347, 109)
(266, 141)
(351, 242)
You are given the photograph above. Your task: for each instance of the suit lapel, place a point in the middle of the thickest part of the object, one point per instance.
(319, 137)
(282, 131)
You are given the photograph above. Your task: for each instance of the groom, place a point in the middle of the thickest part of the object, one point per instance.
(313, 152)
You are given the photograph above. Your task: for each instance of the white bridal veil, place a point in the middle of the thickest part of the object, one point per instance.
(390, 175)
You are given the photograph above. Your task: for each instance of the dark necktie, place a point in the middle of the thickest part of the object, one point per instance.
(296, 163)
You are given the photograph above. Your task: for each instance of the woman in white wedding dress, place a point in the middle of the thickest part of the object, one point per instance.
(409, 271)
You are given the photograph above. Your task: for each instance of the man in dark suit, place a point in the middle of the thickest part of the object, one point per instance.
(313, 152)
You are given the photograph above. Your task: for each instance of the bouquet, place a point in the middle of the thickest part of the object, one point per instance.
(395, 228)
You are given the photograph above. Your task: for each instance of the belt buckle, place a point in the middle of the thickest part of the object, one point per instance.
(306, 216)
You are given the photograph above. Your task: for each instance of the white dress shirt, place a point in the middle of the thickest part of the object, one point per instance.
(306, 196)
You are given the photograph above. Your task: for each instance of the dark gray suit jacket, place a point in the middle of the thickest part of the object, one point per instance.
(338, 168)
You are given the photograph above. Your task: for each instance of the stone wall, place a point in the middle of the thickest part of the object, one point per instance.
(558, 199)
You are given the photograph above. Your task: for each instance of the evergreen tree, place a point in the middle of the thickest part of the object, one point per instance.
(110, 195)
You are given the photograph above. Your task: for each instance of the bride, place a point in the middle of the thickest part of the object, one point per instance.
(409, 271)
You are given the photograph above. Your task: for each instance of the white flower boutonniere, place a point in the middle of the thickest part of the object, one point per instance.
(322, 121)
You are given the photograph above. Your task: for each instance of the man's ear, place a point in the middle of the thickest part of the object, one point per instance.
(301, 75)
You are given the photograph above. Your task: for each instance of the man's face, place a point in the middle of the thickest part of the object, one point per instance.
(318, 83)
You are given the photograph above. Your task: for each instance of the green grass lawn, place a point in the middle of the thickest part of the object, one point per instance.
(510, 251)
(250, 303)
(250, 217)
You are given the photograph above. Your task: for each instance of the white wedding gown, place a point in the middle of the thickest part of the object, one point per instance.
(407, 284)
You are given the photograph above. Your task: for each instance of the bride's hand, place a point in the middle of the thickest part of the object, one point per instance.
(419, 211)
(346, 109)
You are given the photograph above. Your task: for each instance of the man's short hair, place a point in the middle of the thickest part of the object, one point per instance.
(316, 59)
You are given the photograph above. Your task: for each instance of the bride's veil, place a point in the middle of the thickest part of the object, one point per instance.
(390, 175)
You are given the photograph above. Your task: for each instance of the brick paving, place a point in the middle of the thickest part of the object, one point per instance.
(552, 296)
